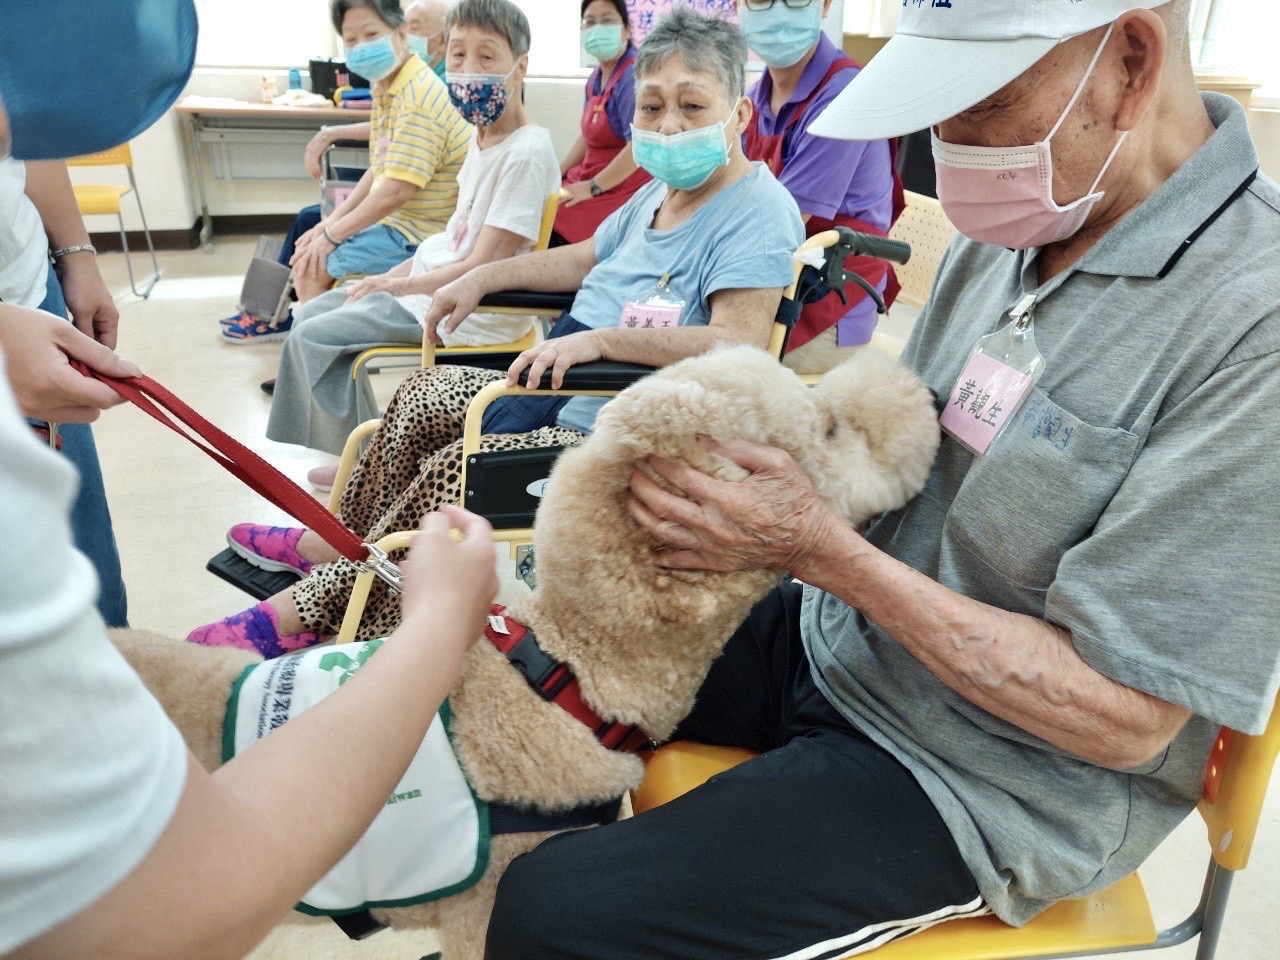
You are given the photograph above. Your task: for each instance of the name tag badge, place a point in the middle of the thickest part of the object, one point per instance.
(995, 383)
(660, 307)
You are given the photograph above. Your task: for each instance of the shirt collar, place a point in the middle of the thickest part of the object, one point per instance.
(1150, 239)
(814, 71)
(411, 68)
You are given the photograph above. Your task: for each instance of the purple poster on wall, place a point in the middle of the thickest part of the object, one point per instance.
(645, 13)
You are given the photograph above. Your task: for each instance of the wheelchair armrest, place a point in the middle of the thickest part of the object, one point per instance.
(600, 375)
(541, 300)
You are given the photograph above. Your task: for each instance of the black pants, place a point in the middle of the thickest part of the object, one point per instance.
(823, 844)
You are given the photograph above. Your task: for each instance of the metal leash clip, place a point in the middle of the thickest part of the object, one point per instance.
(382, 567)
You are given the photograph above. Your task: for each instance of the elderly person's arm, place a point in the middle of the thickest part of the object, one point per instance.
(737, 317)
(493, 244)
(1017, 667)
(558, 269)
(313, 156)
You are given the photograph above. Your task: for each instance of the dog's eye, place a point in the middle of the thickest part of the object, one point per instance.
(831, 430)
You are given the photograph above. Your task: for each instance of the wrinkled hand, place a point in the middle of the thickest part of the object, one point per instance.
(556, 355)
(453, 303)
(447, 580)
(773, 518)
(382, 283)
(311, 251)
(92, 309)
(314, 154)
(38, 348)
(577, 193)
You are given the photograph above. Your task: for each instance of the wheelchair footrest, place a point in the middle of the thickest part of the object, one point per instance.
(239, 572)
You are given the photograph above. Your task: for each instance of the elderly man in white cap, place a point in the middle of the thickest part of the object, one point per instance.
(1005, 693)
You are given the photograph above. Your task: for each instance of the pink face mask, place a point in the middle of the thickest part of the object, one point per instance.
(1004, 195)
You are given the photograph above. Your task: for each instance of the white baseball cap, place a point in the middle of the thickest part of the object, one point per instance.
(947, 55)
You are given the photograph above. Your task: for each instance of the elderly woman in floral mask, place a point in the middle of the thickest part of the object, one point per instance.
(683, 267)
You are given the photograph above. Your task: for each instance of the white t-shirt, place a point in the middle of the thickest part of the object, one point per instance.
(503, 186)
(24, 249)
(91, 769)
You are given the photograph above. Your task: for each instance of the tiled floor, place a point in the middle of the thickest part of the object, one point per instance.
(172, 507)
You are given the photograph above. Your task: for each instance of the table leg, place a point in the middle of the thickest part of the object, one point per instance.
(206, 221)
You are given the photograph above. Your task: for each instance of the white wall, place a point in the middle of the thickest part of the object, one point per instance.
(161, 157)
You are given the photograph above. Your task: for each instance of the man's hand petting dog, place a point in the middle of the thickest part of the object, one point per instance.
(449, 583)
(773, 518)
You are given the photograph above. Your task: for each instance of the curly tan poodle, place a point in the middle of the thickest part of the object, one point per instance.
(639, 638)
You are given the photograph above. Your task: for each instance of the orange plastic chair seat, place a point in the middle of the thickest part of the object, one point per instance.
(99, 199)
(1109, 920)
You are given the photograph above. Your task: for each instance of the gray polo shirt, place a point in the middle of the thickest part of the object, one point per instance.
(1132, 502)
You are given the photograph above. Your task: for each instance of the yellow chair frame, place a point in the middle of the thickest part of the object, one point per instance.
(428, 352)
(517, 537)
(94, 199)
(1117, 919)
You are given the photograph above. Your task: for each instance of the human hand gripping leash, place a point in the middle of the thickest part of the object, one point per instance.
(261, 477)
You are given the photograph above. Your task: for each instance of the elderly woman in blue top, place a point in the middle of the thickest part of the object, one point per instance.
(697, 258)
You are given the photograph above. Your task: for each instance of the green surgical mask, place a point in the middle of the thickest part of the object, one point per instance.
(603, 41)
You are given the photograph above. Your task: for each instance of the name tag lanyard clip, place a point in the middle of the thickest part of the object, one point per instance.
(660, 307)
(997, 379)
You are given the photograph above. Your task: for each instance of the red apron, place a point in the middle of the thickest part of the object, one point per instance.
(580, 221)
(815, 318)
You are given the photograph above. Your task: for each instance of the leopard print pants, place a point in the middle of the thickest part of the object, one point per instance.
(412, 466)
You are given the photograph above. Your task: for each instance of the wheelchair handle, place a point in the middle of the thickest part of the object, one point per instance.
(868, 245)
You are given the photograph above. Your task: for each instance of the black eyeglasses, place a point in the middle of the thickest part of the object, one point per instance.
(758, 5)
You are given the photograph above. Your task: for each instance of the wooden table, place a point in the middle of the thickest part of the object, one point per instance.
(214, 121)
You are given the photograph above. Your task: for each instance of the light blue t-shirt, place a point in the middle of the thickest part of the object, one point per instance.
(741, 239)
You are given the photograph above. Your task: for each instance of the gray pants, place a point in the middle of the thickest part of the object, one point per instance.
(316, 403)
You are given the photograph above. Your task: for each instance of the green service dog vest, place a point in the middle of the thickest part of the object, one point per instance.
(430, 840)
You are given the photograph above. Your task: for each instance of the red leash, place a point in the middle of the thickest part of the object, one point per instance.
(238, 460)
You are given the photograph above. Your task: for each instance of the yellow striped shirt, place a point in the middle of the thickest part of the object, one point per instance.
(419, 137)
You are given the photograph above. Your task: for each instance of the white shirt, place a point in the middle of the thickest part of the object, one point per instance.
(503, 186)
(24, 249)
(91, 769)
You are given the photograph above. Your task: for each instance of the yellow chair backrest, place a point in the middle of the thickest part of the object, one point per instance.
(1235, 786)
(116, 156)
(548, 221)
(927, 229)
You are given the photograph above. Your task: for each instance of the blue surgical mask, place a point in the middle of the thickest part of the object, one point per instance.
(481, 98)
(683, 160)
(419, 45)
(374, 59)
(779, 35)
(140, 71)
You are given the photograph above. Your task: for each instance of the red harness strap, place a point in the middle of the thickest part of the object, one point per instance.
(555, 682)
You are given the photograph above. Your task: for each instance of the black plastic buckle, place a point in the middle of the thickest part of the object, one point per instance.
(537, 666)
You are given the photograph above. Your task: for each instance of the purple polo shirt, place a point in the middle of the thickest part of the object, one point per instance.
(827, 177)
(621, 108)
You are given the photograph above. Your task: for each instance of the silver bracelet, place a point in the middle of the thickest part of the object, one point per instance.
(74, 248)
(328, 236)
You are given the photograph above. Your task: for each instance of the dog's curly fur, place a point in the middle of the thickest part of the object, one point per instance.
(639, 638)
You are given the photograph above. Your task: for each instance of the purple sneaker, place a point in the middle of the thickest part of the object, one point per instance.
(256, 629)
(269, 548)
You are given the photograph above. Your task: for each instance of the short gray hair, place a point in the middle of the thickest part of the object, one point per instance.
(705, 44)
(388, 11)
(497, 16)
